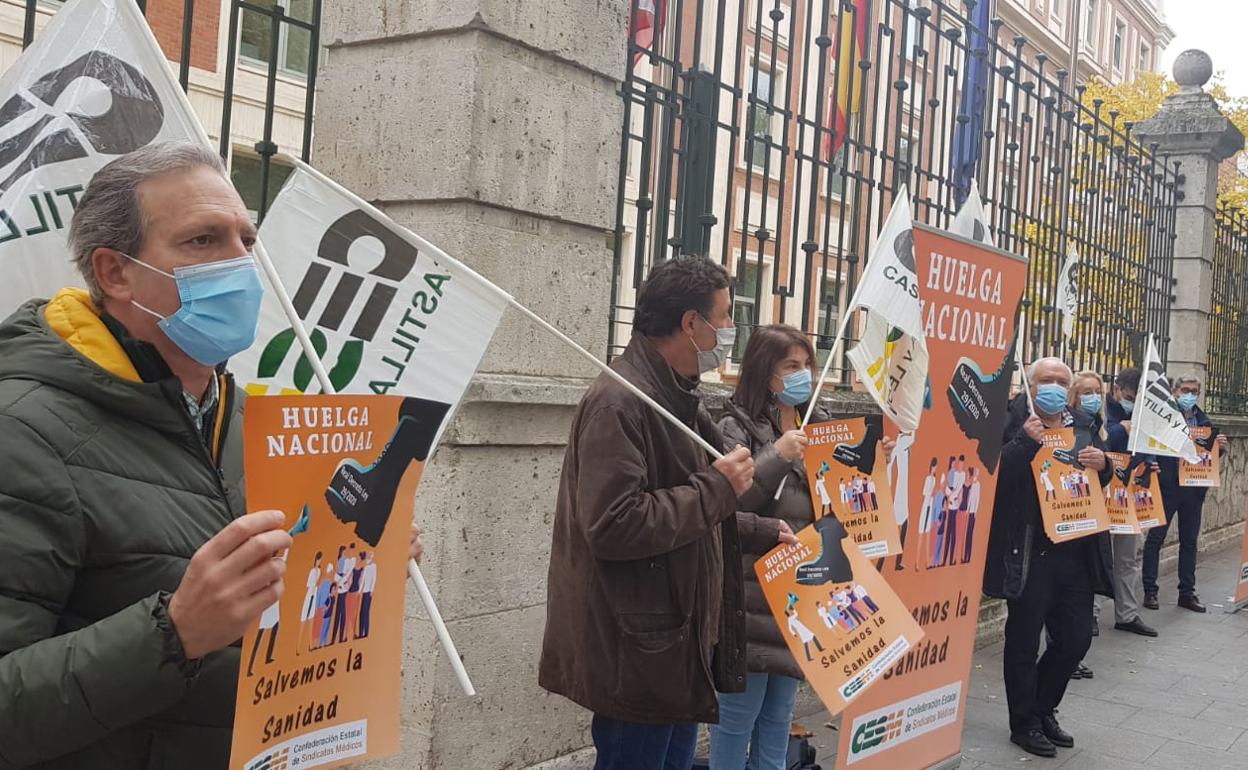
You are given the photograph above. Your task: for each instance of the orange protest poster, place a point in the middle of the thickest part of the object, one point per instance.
(970, 294)
(319, 680)
(1118, 505)
(1205, 472)
(1146, 496)
(1241, 584)
(849, 480)
(842, 622)
(1071, 502)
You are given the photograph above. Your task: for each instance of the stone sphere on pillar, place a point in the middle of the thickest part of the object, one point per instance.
(1193, 68)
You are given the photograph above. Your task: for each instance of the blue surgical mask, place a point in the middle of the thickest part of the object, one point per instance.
(797, 388)
(1187, 401)
(1127, 405)
(1090, 403)
(220, 310)
(1051, 398)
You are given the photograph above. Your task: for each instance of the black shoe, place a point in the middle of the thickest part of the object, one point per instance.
(1082, 672)
(1054, 732)
(1034, 742)
(832, 565)
(1137, 626)
(1096, 627)
(1191, 602)
(1150, 602)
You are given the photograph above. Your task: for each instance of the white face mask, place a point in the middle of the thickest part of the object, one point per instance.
(710, 360)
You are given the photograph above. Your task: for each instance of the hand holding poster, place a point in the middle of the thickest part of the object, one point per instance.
(1118, 504)
(320, 682)
(1206, 471)
(1071, 502)
(843, 623)
(1146, 496)
(848, 478)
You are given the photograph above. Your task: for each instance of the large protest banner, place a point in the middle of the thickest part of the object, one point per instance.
(1071, 503)
(848, 479)
(94, 85)
(319, 683)
(843, 623)
(971, 292)
(1240, 599)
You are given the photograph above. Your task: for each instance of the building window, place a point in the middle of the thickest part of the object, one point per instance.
(245, 174)
(255, 37)
(1089, 24)
(743, 305)
(1146, 58)
(1120, 36)
(829, 318)
(1057, 9)
(902, 166)
(758, 116)
(915, 30)
(838, 163)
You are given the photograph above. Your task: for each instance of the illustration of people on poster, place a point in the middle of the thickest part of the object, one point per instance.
(1071, 502)
(1118, 504)
(1146, 496)
(843, 623)
(320, 682)
(1206, 472)
(848, 476)
(970, 293)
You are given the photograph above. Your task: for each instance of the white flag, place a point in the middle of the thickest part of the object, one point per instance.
(94, 85)
(1158, 426)
(891, 358)
(971, 221)
(1068, 292)
(387, 311)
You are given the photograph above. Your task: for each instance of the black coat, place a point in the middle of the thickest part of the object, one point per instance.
(1016, 524)
(1174, 496)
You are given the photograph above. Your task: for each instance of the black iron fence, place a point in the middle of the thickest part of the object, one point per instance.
(273, 40)
(1226, 391)
(732, 150)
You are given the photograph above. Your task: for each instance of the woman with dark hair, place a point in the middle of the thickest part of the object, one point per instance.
(764, 415)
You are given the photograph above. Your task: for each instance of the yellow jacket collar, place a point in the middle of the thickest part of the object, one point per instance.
(74, 318)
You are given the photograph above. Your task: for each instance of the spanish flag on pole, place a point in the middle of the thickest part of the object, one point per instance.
(847, 51)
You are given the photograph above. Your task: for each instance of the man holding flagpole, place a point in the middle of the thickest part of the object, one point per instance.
(1183, 503)
(645, 595)
(132, 566)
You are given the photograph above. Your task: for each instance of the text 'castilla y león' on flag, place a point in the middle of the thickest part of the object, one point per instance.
(1158, 426)
(891, 357)
(387, 312)
(94, 85)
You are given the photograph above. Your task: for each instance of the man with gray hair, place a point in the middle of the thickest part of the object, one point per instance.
(1045, 584)
(1183, 503)
(131, 567)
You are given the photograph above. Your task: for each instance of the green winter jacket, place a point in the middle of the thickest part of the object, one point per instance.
(106, 490)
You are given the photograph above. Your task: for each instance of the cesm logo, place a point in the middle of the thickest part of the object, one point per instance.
(875, 732)
(278, 760)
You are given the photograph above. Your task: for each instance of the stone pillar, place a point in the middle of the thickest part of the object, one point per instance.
(492, 128)
(1189, 128)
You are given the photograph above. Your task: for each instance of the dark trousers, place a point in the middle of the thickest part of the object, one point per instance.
(970, 539)
(366, 608)
(632, 746)
(1056, 596)
(1187, 511)
(951, 538)
(340, 620)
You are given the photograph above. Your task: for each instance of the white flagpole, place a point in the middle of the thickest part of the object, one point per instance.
(322, 377)
(673, 419)
(1133, 443)
(1031, 405)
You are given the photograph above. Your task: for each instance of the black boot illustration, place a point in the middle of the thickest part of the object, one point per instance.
(979, 405)
(832, 565)
(862, 454)
(365, 495)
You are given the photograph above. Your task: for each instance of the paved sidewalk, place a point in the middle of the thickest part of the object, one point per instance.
(1176, 702)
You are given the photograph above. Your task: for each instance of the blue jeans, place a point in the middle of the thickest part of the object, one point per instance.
(632, 746)
(759, 718)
